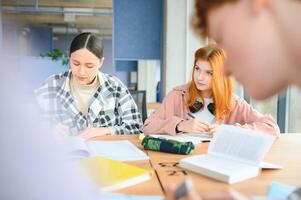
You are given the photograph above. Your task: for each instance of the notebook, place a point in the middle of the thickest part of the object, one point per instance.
(234, 155)
(121, 150)
(195, 138)
(113, 175)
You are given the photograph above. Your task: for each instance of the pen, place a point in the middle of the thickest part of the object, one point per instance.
(183, 189)
(190, 115)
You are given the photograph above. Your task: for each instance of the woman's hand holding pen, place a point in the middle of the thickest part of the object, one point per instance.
(213, 128)
(193, 126)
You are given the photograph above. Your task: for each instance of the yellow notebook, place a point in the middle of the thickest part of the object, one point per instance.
(114, 175)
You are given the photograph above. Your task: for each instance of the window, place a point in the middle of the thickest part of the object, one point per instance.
(293, 111)
(268, 106)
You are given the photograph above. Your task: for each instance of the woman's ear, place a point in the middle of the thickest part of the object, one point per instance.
(101, 62)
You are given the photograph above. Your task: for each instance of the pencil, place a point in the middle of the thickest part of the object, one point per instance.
(190, 115)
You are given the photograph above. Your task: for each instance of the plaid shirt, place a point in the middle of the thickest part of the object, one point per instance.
(111, 105)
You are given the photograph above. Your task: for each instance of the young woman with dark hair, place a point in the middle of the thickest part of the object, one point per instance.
(86, 101)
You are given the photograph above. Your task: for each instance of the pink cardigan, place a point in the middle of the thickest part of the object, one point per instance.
(173, 110)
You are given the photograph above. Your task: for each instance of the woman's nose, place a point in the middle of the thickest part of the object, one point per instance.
(81, 71)
(201, 76)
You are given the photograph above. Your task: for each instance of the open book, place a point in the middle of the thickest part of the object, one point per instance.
(195, 138)
(234, 155)
(113, 175)
(121, 150)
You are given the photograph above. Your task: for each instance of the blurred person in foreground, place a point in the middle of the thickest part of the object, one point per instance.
(262, 39)
(33, 164)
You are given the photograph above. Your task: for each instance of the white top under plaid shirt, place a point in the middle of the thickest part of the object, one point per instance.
(111, 106)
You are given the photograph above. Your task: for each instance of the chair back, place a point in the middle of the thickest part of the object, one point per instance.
(140, 98)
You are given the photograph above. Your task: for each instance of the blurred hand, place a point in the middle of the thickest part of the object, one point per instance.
(213, 128)
(60, 131)
(90, 133)
(193, 126)
(171, 191)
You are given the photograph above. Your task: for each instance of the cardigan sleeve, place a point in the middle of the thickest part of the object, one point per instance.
(243, 115)
(165, 120)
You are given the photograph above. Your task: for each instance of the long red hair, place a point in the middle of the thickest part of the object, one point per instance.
(222, 86)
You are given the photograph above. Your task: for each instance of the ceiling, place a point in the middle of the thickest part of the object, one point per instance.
(65, 16)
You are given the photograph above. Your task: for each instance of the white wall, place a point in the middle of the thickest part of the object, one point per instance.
(179, 43)
(147, 78)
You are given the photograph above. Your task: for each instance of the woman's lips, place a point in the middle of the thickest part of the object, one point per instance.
(82, 78)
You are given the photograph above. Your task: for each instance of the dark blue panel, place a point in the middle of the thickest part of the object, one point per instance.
(108, 66)
(281, 110)
(63, 42)
(137, 29)
(40, 40)
(126, 65)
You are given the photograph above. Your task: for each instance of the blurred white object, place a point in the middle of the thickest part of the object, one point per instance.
(33, 164)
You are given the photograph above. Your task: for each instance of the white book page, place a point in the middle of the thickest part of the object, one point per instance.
(220, 165)
(266, 165)
(121, 150)
(76, 143)
(240, 144)
(77, 147)
(202, 136)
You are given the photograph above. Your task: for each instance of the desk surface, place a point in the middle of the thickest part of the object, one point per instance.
(285, 151)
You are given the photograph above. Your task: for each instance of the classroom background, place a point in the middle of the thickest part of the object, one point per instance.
(149, 45)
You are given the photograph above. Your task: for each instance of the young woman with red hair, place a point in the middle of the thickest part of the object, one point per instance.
(206, 102)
